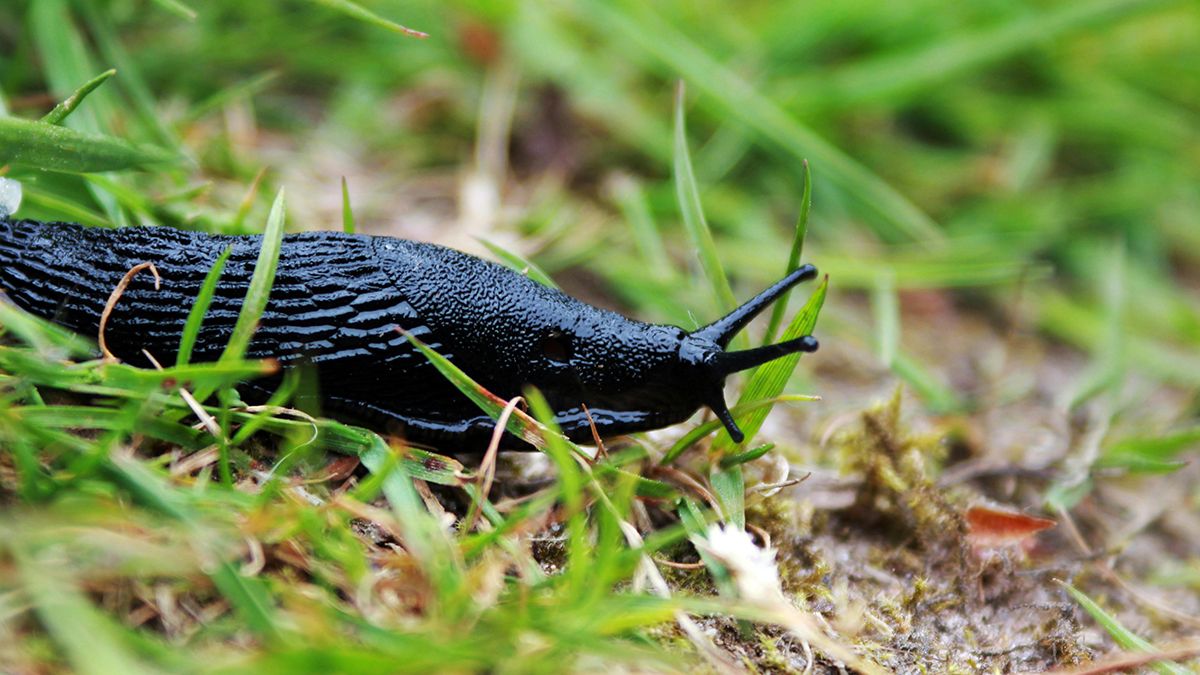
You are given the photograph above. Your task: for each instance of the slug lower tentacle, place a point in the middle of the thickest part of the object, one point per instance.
(338, 300)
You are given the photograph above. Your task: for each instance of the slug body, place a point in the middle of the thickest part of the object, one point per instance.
(339, 302)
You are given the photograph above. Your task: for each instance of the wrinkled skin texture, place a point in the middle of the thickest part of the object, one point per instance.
(337, 304)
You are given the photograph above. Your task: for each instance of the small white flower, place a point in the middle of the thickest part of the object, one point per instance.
(10, 196)
(752, 568)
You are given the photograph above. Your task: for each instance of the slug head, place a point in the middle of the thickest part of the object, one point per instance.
(705, 359)
(634, 376)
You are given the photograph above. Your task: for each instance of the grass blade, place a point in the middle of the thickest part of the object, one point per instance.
(571, 488)
(1153, 454)
(1124, 637)
(191, 329)
(259, 291)
(693, 214)
(133, 82)
(54, 148)
(886, 307)
(747, 456)
(249, 597)
(357, 11)
(729, 487)
(797, 251)
(347, 212)
(68, 106)
(519, 264)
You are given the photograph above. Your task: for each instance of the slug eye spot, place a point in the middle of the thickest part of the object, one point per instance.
(556, 347)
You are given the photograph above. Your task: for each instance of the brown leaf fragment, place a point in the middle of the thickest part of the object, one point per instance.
(989, 527)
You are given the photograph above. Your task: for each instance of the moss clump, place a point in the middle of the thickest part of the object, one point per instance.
(898, 492)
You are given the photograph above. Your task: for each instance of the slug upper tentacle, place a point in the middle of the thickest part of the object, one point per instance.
(338, 300)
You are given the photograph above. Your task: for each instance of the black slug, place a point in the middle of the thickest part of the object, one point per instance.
(338, 300)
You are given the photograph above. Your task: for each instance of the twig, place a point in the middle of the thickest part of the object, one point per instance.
(112, 302)
(601, 451)
(209, 423)
(487, 466)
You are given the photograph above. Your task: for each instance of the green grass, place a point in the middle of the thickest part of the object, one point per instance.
(1031, 166)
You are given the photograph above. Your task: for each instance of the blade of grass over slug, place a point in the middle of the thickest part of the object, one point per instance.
(639, 23)
(1124, 637)
(191, 329)
(68, 106)
(518, 263)
(347, 212)
(797, 251)
(518, 424)
(357, 11)
(201, 375)
(54, 148)
(260, 284)
(693, 216)
(525, 427)
(255, 303)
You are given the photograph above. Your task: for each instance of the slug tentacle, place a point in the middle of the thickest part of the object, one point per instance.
(722, 330)
(732, 362)
(337, 301)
